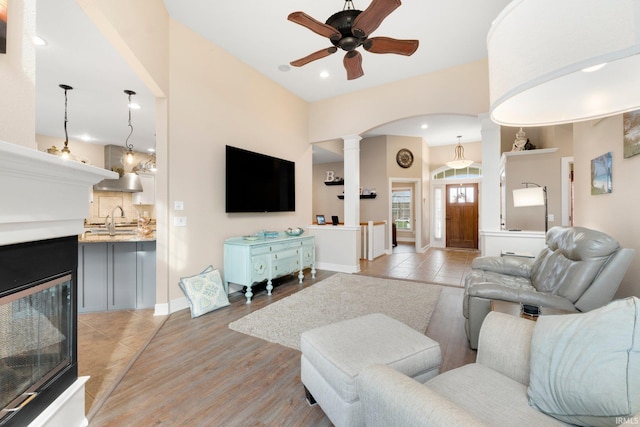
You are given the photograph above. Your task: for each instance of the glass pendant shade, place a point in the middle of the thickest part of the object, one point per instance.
(459, 162)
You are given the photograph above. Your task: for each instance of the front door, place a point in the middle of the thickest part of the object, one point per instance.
(462, 216)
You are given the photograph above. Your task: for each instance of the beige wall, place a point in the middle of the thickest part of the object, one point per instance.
(615, 213)
(18, 76)
(325, 197)
(216, 100)
(459, 90)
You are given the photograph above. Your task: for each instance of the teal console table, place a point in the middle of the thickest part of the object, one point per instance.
(247, 262)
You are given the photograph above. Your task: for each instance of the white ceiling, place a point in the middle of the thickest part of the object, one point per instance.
(257, 32)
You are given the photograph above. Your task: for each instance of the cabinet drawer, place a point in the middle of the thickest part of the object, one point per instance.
(285, 266)
(291, 253)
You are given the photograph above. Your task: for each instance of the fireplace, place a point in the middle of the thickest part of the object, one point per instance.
(45, 201)
(38, 326)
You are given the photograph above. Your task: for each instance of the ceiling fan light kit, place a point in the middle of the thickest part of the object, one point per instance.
(349, 29)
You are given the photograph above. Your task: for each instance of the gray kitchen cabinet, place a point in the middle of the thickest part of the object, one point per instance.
(146, 270)
(121, 275)
(116, 275)
(92, 277)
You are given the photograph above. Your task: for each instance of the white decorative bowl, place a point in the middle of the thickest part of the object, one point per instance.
(294, 231)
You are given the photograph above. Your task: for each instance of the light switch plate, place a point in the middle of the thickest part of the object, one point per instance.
(178, 205)
(180, 221)
(551, 218)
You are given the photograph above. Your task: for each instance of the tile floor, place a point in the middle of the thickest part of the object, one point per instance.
(108, 342)
(445, 266)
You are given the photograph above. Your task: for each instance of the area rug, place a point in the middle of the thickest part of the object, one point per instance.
(340, 297)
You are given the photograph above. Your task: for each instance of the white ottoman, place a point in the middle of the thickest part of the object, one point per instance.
(333, 356)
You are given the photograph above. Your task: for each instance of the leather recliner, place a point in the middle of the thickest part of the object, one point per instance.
(578, 270)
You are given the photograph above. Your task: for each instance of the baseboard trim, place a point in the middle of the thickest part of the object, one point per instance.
(340, 268)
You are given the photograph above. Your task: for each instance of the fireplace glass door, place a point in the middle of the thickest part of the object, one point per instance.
(36, 326)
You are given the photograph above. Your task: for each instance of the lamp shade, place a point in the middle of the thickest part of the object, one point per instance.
(537, 52)
(532, 196)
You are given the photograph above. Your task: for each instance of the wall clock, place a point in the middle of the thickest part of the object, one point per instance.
(404, 158)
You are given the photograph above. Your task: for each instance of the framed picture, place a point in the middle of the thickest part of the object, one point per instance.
(3, 26)
(320, 219)
(335, 220)
(631, 133)
(601, 178)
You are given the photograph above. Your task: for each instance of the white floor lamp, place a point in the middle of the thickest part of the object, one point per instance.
(532, 196)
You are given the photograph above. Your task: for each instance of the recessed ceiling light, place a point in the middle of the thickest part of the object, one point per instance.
(39, 41)
(324, 74)
(151, 150)
(424, 126)
(134, 106)
(85, 137)
(594, 68)
(284, 67)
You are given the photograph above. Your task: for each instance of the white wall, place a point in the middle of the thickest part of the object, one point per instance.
(18, 76)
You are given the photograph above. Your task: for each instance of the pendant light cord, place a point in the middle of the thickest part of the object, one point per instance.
(126, 143)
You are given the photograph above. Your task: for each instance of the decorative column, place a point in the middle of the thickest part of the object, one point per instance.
(352, 180)
(490, 201)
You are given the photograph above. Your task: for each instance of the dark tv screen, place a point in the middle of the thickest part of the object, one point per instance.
(258, 183)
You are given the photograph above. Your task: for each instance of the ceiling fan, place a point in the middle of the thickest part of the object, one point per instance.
(349, 29)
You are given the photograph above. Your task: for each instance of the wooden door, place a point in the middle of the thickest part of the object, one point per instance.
(462, 216)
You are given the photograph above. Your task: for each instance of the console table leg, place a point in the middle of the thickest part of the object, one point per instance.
(248, 294)
(313, 271)
(300, 276)
(269, 286)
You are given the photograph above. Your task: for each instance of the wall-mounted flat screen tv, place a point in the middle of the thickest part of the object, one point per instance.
(258, 183)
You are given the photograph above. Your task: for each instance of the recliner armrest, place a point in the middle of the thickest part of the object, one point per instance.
(390, 398)
(489, 291)
(511, 266)
(505, 345)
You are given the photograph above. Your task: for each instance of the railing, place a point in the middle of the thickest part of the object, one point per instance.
(373, 239)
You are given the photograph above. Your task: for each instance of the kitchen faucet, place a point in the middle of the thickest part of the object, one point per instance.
(112, 225)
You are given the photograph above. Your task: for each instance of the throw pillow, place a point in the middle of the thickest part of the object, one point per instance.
(205, 291)
(585, 367)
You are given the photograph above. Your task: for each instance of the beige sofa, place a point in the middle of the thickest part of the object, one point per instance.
(579, 270)
(575, 369)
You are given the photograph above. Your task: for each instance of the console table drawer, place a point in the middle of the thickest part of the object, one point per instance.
(286, 254)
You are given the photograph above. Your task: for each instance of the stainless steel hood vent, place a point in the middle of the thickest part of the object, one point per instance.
(127, 183)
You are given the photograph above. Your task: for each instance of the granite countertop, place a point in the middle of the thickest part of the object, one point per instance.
(123, 234)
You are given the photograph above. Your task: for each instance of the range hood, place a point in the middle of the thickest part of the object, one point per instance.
(127, 183)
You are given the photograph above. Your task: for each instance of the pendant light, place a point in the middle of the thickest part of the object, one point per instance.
(65, 153)
(459, 161)
(129, 154)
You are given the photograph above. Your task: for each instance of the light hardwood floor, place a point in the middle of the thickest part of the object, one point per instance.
(198, 372)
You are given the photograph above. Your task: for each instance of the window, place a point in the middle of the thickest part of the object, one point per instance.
(437, 223)
(459, 195)
(402, 209)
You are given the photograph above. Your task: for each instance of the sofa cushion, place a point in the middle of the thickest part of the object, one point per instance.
(585, 367)
(486, 394)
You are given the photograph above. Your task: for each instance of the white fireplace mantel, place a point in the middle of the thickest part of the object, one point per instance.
(43, 196)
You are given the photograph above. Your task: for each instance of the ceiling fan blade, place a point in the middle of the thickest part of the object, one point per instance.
(315, 55)
(389, 45)
(353, 64)
(370, 19)
(314, 25)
